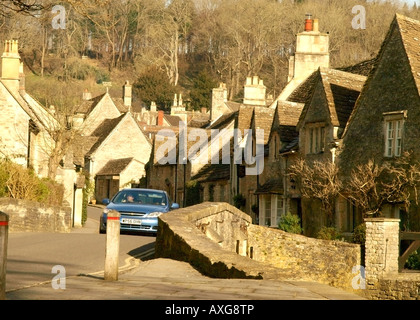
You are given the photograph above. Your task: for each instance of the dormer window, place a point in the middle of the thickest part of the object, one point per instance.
(315, 138)
(394, 126)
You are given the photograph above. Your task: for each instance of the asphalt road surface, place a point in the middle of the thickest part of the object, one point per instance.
(34, 258)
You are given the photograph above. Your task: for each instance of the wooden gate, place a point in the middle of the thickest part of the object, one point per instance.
(414, 245)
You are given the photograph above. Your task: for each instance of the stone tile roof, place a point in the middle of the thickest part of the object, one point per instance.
(410, 34)
(273, 185)
(88, 105)
(82, 145)
(288, 113)
(263, 119)
(213, 172)
(362, 68)
(223, 120)
(341, 91)
(409, 29)
(172, 120)
(245, 117)
(114, 167)
(103, 131)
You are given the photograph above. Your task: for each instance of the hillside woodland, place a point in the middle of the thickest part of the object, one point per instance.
(179, 46)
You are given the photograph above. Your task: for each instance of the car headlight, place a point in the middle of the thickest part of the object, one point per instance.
(154, 214)
(106, 211)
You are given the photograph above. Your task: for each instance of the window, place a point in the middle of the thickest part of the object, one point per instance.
(316, 139)
(394, 125)
(272, 209)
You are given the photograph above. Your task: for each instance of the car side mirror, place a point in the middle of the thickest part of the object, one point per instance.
(105, 201)
(175, 206)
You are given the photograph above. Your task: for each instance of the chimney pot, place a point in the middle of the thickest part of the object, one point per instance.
(160, 118)
(308, 22)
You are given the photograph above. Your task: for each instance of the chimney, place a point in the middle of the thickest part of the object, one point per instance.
(10, 64)
(254, 91)
(218, 100)
(316, 25)
(127, 94)
(153, 106)
(308, 22)
(175, 104)
(86, 95)
(160, 118)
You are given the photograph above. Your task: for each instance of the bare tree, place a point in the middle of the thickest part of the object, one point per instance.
(318, 180)
(371, 185)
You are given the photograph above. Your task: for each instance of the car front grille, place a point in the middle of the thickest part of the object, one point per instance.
(138, 214)
(134, 227)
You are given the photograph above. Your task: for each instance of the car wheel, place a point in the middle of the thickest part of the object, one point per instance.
(102, 231)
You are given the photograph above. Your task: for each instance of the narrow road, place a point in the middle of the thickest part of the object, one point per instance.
(32, 256)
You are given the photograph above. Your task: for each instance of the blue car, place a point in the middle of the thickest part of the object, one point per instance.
(139, 209)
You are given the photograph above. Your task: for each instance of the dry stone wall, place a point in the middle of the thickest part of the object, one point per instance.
(220, 241)
(30, 216)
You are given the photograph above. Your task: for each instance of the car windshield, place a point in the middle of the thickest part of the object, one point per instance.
(141, 197)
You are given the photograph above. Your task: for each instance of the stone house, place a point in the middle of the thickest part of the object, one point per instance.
(385, 120)
(276, 193)
(26, 130)
(106, 153)
(329, 97)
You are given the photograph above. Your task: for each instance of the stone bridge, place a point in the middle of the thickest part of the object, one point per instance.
(220, 241)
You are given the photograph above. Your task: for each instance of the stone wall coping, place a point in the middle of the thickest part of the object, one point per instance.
(207, 209)
(382, 220)
(182, 225)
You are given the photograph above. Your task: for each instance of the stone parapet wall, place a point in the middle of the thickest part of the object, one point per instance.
(404, 286)
(220, 241)
(31, 216)
(383, 280)
(324, 261)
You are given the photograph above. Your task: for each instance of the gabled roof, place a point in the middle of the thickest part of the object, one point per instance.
(362, 68)
(114, 167)
(263, 119)
(410, 34)
(214, 172)
(341, 92)
(273, 185)
(172, 120)
(288, 113)
(105, 129)
(223, 120)
(88, 105)
(409, 30)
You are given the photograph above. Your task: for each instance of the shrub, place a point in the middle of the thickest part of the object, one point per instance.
(19, 182)
(413, 261)
(290, 223)
(359, 234)
(329, 233)
(239, 201)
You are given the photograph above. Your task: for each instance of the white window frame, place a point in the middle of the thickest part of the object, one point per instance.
(315, 138)
(394, 133)
(275, 211)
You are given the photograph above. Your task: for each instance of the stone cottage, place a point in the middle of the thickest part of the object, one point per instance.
(385, 120)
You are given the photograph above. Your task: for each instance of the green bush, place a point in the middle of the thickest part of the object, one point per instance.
(19, 182)
(413, 261)
(359, 234)
(290, 223)
(239, 201)
(329, 233)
